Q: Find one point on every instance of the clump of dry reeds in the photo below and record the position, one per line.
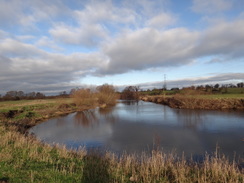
(103, 96)
(106, 95)
(84, 98)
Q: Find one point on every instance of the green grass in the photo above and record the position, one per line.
(223, 96)
(25, 160)
(235, 90)
(158, 92)
(223, 93)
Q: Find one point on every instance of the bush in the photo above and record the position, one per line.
(84, 98)
(103, 96)
(106, 95)
(130, 93)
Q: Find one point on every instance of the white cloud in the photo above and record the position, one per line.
(46, 42)
(25, 37)
(91, 24)
(10, 12)
(88, 35)
(3, 34)
(147, 48)
(105, 12)
(13, 48)
(161, 21)
(226, 39)
(28, 13)
(24, 66)
(211, 6)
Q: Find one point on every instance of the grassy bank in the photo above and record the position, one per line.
(24, 159)
(212, 102)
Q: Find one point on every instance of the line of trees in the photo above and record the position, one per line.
(19, 95)
(216, 87)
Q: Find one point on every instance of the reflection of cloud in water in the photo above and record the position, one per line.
(52, 131)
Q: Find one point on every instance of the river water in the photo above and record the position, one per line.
(142, 126)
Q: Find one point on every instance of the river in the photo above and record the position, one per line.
(142, 126)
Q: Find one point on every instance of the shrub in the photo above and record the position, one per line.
(84, 98)
(106, 95)
(130, 93)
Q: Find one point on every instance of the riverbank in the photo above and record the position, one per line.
(25, 159)
(196, 102)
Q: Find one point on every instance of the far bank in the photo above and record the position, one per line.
(197, 102)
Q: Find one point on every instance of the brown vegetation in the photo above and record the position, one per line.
(103, 96)
(84, 97)
(183, 102)
(106, 95)
(130, 93)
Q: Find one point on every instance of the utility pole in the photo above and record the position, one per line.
(165, 87)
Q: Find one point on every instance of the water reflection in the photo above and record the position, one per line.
(130, 102)
(107, 114)
(142, 126)
(92, 117)
(190, 118)
(85, 118)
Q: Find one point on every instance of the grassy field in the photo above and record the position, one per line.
(227, 93)
(24, 159)
(20, 103)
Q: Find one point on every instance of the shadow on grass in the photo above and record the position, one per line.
(95, 169)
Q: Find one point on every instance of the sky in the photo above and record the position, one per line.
(56, 45)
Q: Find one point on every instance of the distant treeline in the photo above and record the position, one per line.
(199, 89)
(19, 95)
(130, 92)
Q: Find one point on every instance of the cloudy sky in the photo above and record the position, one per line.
(56, 45)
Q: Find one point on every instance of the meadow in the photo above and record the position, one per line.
(25, 159)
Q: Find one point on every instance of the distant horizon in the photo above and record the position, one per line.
(54, 46)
